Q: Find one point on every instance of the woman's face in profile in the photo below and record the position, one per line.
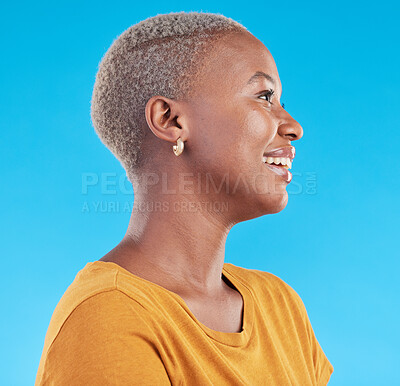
(237, 118)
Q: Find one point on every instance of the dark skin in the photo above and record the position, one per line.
(227, 126)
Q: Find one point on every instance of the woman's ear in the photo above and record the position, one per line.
(164, 118)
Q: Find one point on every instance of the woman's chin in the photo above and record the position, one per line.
(266, 204)
(276, 203)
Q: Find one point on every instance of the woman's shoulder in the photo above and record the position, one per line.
(94, 328)
(94, 294)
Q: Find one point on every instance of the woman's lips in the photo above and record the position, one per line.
(285, 151)
(281, 171)
(283, 154)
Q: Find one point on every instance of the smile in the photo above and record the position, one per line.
(283, 161)
(280, 161)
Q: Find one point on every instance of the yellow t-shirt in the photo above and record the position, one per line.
(115, 328)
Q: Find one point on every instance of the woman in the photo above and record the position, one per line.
(189, 103)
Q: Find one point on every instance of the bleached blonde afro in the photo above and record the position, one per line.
(158, 56)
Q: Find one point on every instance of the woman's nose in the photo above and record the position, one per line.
(290, 128)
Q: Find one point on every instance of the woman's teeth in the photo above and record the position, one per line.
(283, 161)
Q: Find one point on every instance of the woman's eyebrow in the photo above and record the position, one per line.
(261, 74)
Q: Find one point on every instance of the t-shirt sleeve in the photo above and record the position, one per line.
(322, 367)
(105, 341)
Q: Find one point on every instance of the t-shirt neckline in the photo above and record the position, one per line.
(227, 338)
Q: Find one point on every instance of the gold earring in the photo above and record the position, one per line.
(178, 148)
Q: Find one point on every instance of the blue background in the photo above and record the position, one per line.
(336, 243)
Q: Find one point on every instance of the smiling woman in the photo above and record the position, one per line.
(190, 105)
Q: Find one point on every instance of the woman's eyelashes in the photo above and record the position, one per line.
(268, 96)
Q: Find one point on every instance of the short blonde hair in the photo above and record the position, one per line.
(158, 56)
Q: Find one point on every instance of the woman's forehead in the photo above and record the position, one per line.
(240, 62)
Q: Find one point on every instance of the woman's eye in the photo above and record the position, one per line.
(268, 95)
